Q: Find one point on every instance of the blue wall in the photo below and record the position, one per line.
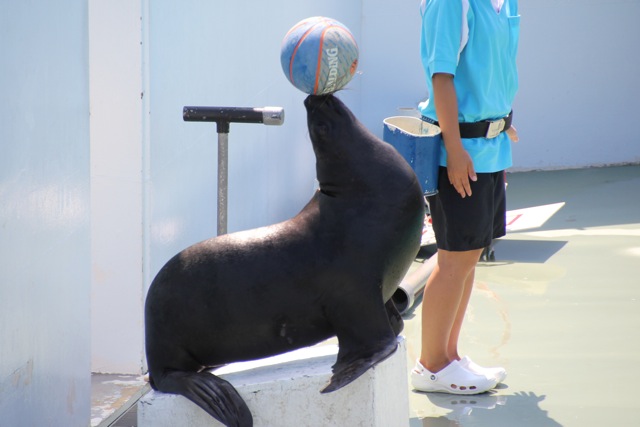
(44, 211)
(227, 54)
(576, 108)
(578, 64)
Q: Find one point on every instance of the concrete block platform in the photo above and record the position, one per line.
(284, 391)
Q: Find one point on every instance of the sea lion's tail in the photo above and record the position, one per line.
(213, 394)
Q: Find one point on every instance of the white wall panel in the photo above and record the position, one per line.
(578, 65)
(44, 214)
(227, 54)
(115, 34)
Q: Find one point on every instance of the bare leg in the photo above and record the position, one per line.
(446, 298)
(445, 301)
(452, 348)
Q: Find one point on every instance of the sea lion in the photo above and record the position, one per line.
(330, 270)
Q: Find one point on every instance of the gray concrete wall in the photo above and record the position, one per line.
(210, 53)
(578, 63)
(580, 93)
(44, 214)
(148, 188)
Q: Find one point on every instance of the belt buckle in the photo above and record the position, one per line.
(495, 128)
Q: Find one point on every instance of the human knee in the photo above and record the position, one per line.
(458, 263)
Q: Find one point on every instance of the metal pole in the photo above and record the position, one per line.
(223, 186)
(223, 116)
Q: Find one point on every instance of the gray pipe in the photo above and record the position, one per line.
(223, 116)
(412, 285)
(223, 184)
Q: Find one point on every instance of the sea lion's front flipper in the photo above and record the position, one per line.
(365, 338)
(213, 394)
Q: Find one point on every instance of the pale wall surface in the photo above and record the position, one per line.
(153, 175)
(226, 54)
(117, 176)
(44, 214)
(579, 92)
(158, 174)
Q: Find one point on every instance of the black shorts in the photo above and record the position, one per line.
(464, 224)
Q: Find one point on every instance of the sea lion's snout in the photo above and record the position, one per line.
(315, 101)
(325, 113)
(325, 105)
(319, 116)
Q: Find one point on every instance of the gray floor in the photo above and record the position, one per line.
(112, 398)
(559, 308)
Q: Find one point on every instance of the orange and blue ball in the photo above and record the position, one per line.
(319, 55)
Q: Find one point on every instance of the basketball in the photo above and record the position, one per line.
(319, 55)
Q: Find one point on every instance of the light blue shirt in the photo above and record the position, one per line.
(477, 44)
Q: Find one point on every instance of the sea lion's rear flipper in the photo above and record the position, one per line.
(366, 338)
(213, 394)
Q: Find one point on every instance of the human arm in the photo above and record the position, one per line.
(459, 164)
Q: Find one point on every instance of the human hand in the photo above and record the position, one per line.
(512, 132)
(460, 170)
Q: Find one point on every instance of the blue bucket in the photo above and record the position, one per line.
(419, 143)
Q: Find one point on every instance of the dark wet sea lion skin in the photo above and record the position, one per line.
(330, 270)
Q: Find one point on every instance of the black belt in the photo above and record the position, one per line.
(484, 129)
